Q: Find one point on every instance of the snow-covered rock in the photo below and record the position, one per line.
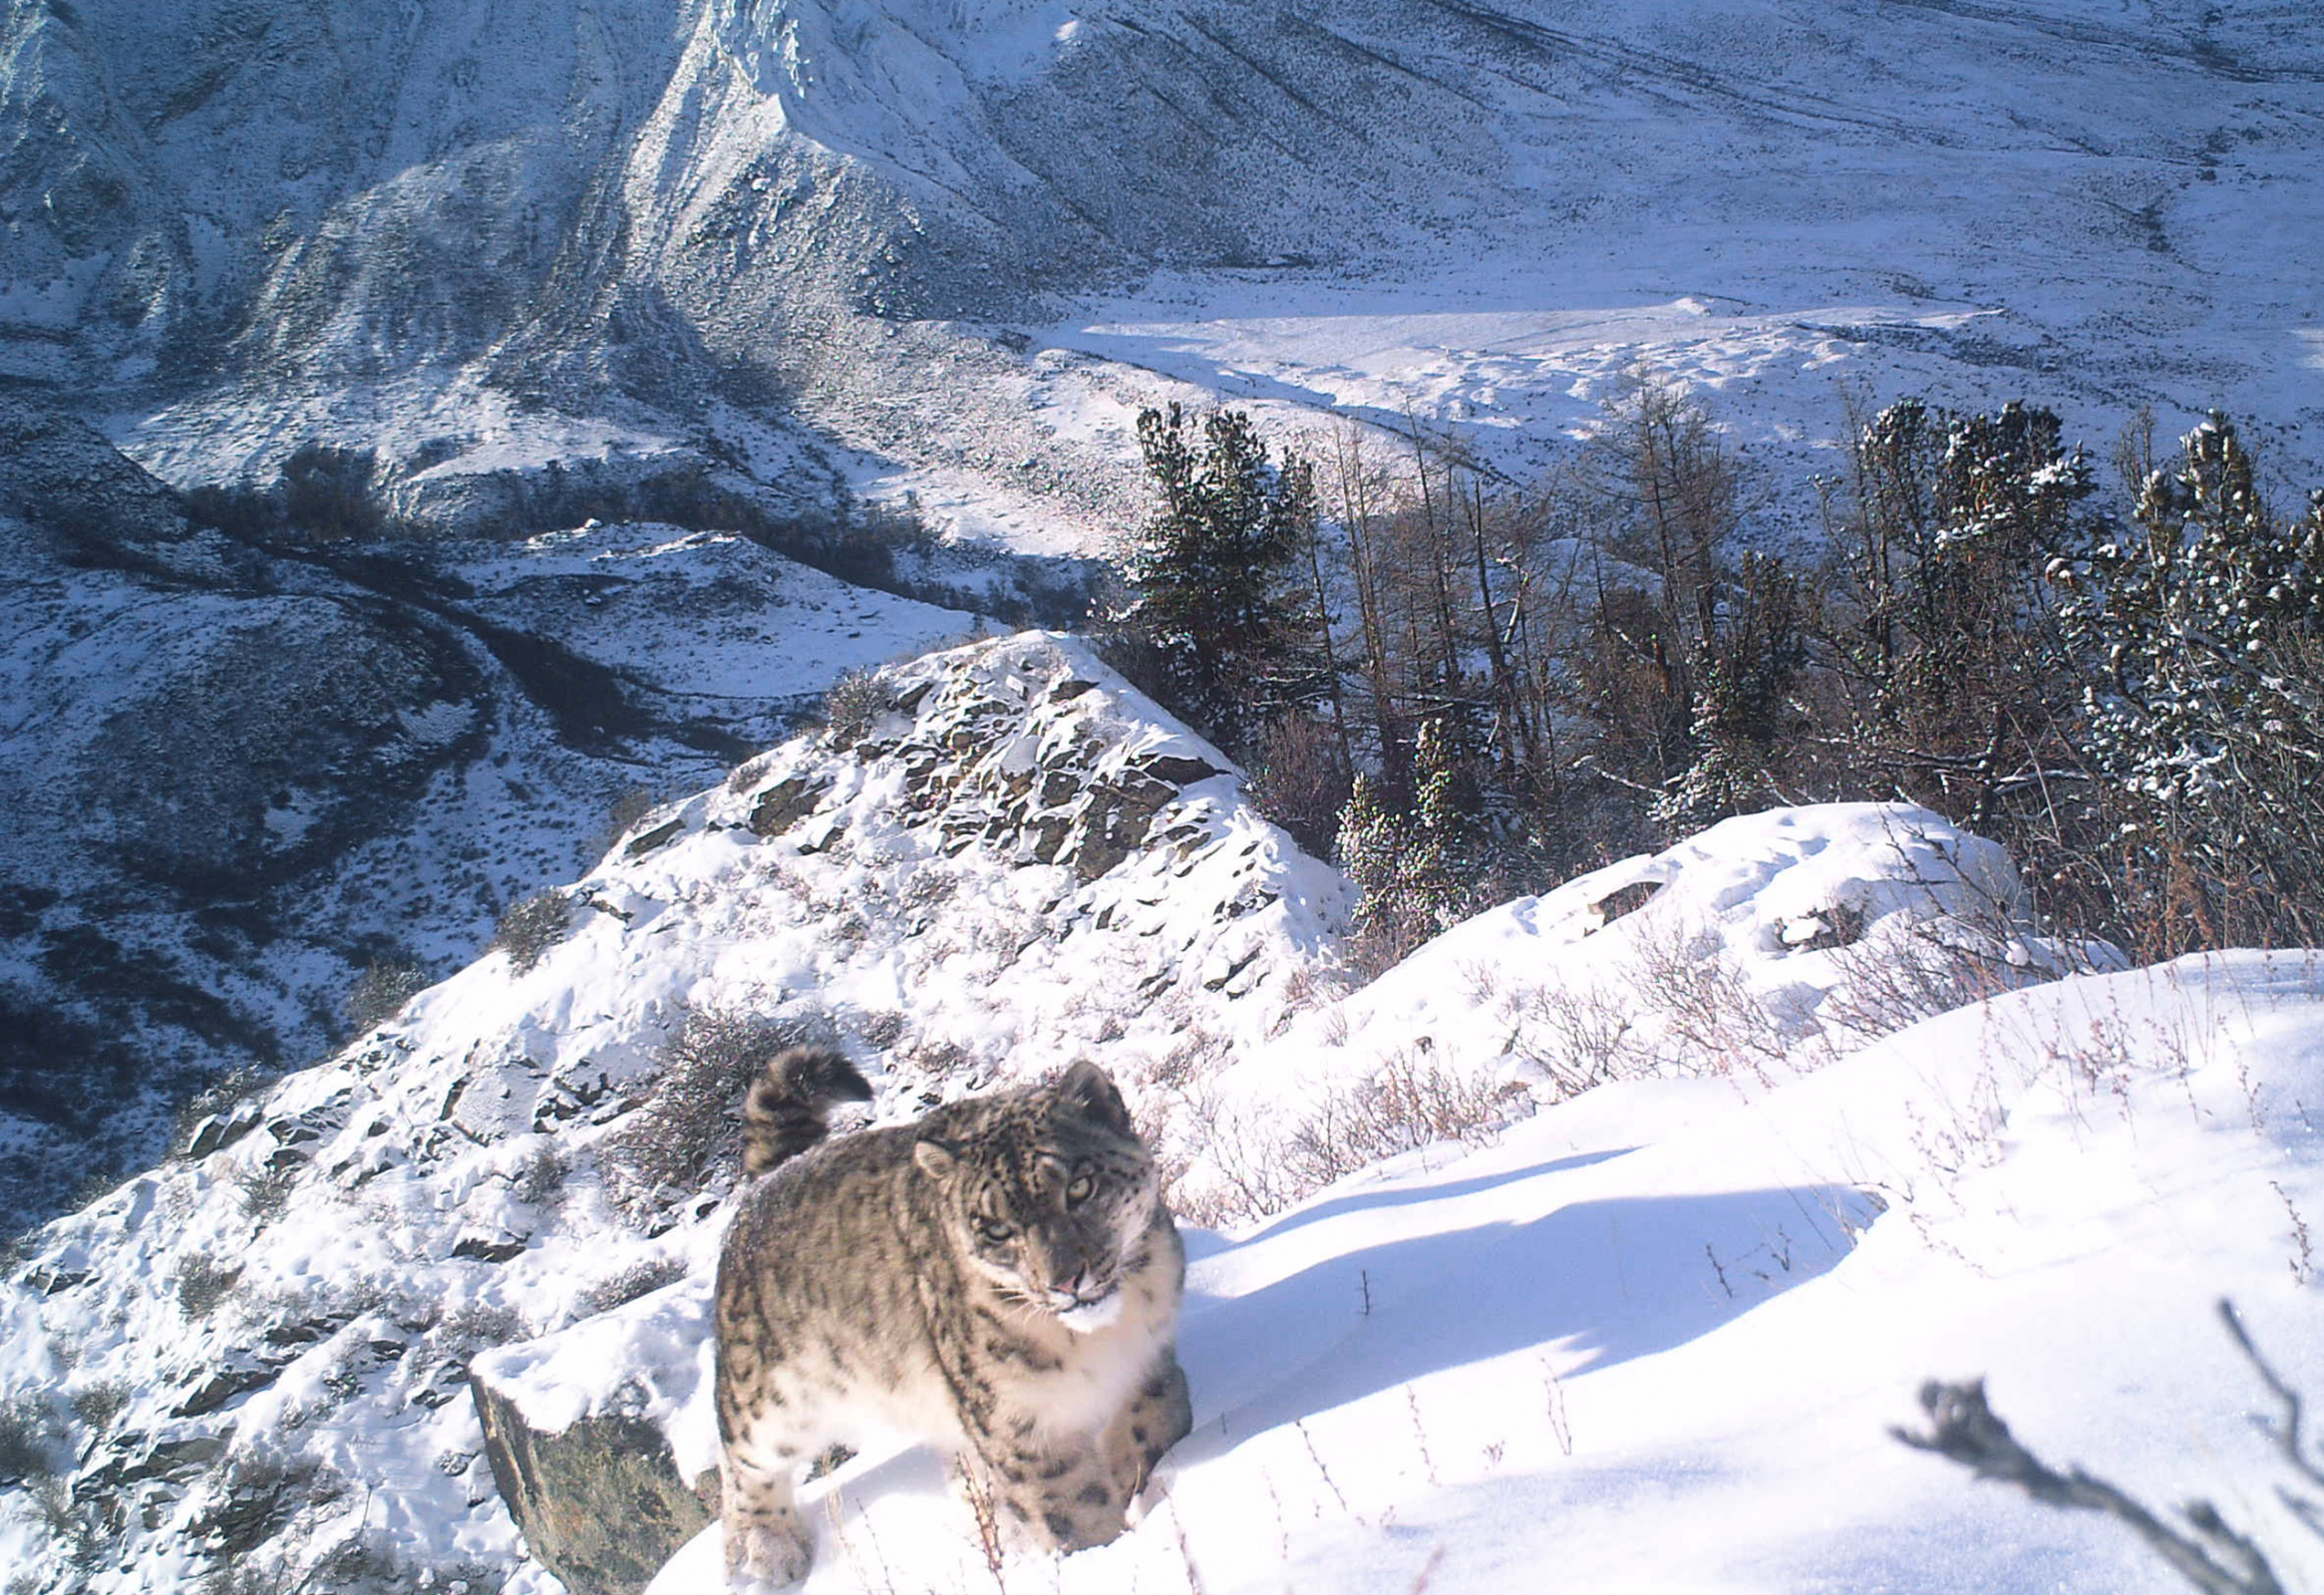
(1769, 944)
(235, 774)
(1011, 860)
(583, 1430)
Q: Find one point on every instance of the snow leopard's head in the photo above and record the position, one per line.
(1048, 1193)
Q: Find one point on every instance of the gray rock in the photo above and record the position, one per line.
(601, 1500)
(600, 1504)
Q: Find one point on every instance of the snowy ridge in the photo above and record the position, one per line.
(1018, 859)
(1001, 858)
(240, 772)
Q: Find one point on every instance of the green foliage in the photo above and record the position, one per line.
(1417, 871)
(1947, 645)
(1215, 603)
(1754, 655)
(2204, 622)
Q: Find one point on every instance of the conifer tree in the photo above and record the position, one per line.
(2206, 620)
(1415, 872)
(1215, 597)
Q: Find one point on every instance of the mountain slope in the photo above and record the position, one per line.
(965, 238)
(1000, 858)
(1012, 860)
(237, 773)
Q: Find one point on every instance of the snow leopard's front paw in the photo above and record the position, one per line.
(762, 1558)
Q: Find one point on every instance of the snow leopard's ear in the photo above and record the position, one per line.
(934, 1158)
(1086, 1092)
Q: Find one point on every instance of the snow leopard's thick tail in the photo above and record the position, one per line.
(784, 1112)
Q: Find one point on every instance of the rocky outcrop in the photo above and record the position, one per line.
(396, 1269)
(574, 1430)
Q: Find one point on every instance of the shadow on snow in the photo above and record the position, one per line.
(1596, 1282)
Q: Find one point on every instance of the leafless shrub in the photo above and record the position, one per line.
(1708, 1009)
(202, 1282)
(748, 774)
(539, 1181)
(532, 927)
(638, 1279)
(379, 992)
(936, 1056)
(1580, 1037)
(854, 705)
(1194, 1053)
(1898, 979)
(29, 1436)
(1310, 985)
(880, 1028)
(629, 805)
(928, 886)
(1300, 780)
(687, 1134)
(261, 1190)
(472, 1327)
(100, 1404)
(1407, 1105)
(1247, 1173)
(227, 1091)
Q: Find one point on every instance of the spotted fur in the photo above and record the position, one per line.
(783, 1114)
(1000, 1279)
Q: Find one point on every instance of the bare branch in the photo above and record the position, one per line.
(1965, 1431)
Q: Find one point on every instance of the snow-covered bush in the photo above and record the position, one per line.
(2206, 622)
(381, 991)
(29, 1439)
(532, 927)
(854, 705)
(202, 1282)
(1415, 873)
(687, 1134)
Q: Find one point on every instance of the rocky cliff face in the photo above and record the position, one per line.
(236, 771)
(1001, 860)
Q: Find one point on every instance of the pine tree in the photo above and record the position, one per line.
(1217, 599)
(1951, 651)
(1417, 873)
(1754, 655)
(2206, 623)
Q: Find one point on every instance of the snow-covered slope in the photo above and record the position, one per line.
(1654, 1338)
(236, 775)
(1006, 860)
(970, 238)
(1001, 858)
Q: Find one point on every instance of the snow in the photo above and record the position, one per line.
(1649, 1334)
(1653, 1339)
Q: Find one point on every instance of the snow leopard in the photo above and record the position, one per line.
(1000, 1279)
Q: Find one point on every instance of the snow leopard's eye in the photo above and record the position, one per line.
(1079, 1192)
(994, 1232)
